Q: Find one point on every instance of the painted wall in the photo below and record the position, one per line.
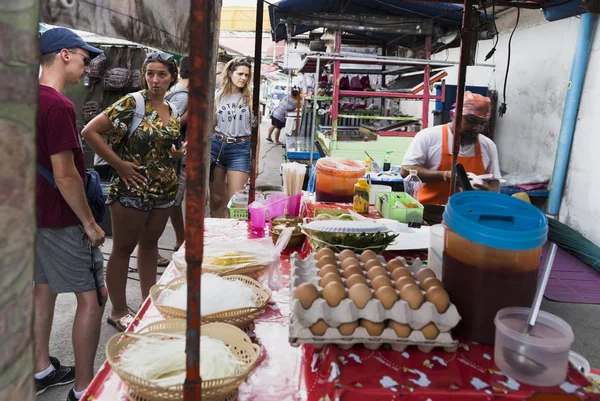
(527, 135)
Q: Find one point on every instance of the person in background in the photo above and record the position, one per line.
(219, 73)
(287, 104)
(143, 185)
(230, 149)
(67, 254)
(430, 153)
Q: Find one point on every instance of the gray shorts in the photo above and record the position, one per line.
(181, 179)
(65, 260)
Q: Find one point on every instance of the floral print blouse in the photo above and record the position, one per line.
(148, 147)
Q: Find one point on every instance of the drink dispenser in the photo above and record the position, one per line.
(492, 248)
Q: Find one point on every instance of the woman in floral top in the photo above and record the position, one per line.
(144, 181)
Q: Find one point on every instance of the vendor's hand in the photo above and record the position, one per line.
(485, 186)
(177, 154)
(94, 233)
(130, 175)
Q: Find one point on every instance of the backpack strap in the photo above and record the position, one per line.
(138, 114)
(46, 174)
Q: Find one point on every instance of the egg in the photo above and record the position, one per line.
(352, 270)
(376, 271)
(394, 264)
(380, 281)
(400, 272)
(355, 279)
(328, 278)
(402, 330)
(424, 273)
(348, 262)
(325, 251)
(373, 328)
(360, 294)
(439, 297)
(306, 293)
(402, 281)
(333, 293)
(319, 328)
(328, 269)
(431, 282)
(346, 253)
(347, 329)
(430, 331)
(387, 295)
(326, 260)
(412, 295)
(372, 263)
(367, 255)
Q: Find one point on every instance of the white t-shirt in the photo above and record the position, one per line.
(233, 116)
(426, 151)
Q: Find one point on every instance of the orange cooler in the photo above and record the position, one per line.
(335, 179)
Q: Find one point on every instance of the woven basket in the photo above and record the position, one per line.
(238, 317)
(212, 390)
(253, 272)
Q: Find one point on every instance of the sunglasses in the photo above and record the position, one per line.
(86, 59)
(159, 55)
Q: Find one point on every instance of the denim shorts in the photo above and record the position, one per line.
(231, 156)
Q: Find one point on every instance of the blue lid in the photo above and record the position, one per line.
(496, 220)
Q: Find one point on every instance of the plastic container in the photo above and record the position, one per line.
(368, 165)
(436, 249)
(547, 344)
(492, 247)
(360, 201)
(335, 179)
(293, 204)
(276, 203)
(258, 214)
(413, 184)
(392, 205)
(375, 188)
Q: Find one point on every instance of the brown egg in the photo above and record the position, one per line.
(367, 255)
(402, 281)
(346, 253)
(380, 281)
(430, 331)
(439, 297)
(424, 273)
(355, 279)
(400, 272)
(402, 330)
(431, 282)
(307, 293)
(394, 264)
(333, 293)
(376, 271)
(326, 260)
(373, 328)
(347, 329)
(319, 328)
(372, 263)
(387, 295)
(348, 262)
(412, 295)
(325, 251)
(352, 270)
(360, 294)
(328, 269)
(328, 278)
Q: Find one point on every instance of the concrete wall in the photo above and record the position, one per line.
(527, 135)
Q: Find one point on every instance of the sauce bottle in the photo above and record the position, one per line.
(360, 202)
(387, 161)
(368, 165)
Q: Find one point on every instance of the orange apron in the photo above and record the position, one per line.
(437, 193)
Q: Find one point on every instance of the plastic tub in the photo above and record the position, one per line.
(375, 188)
(293, 204)
(548, 344)
(276, 203)
(335, 179)
(492, 247)
(392, 205)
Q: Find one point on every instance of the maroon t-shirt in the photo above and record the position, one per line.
(57, 132)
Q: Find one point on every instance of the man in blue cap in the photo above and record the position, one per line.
(68, 258)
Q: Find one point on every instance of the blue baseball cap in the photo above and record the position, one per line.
(56, 39)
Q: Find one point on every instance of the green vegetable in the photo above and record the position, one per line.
(340, 241)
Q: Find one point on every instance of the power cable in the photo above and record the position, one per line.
(502, 108)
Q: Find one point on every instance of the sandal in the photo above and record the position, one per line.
(122, 323)
(269, 139)
(162, 262)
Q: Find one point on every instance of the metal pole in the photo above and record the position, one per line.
(256, 98)
(314, 116)
(426, 77)
(465, 50)
(203, 55)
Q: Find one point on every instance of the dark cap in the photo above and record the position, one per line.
(56, 39)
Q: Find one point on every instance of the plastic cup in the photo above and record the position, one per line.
(258, 213)
(276, 204)
(293, 204)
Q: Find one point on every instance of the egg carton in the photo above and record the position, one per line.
(306, 271)
(302, 335)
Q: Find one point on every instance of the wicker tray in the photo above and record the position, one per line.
(212, 390)
(238, 317)
(253, 272)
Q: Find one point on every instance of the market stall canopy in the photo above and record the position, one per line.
(154, 23)
(239, 18)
